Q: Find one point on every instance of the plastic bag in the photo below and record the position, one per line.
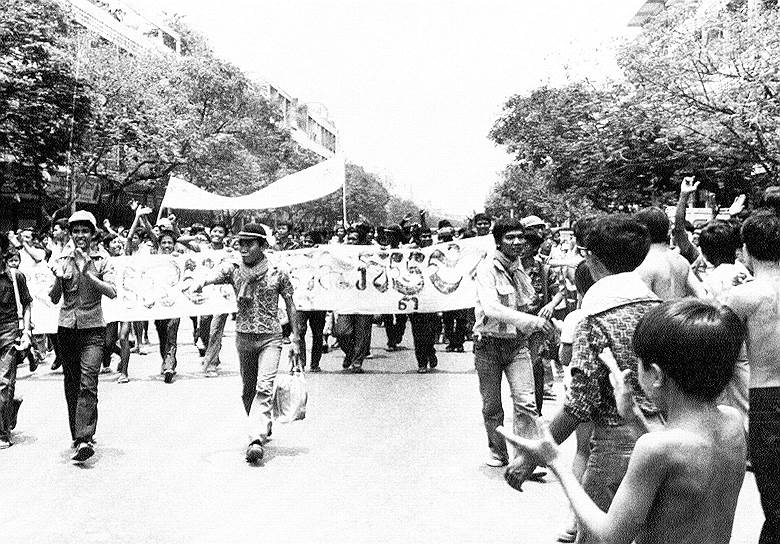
(290, 397)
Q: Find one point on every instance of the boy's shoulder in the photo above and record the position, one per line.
(746, 297)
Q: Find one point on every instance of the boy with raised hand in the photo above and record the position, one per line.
(758, 304)
(683, 480)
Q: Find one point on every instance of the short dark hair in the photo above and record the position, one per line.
(62, 223)
(770, 199)
(719, 241)
(620, 242)
(315, 236)
(444, 223)
(581, 228)
(695, 343)
(287, 224)
(656, 222)
(503, 226)
(169, 233)
(481, 216)
(216, 224)
(761, 235)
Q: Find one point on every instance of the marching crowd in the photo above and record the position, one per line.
(669, 334)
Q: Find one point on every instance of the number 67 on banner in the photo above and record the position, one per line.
(404, 303)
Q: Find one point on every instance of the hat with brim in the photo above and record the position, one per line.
(532, 221)
(254, 231)
(83, 216)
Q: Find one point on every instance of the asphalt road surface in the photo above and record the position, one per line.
(386, 456)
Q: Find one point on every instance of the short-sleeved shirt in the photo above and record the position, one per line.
(259, 315)
(590, 397)
(8, 310)
(81, 300)
(509, 286)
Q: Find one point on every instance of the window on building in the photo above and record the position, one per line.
(169, 41)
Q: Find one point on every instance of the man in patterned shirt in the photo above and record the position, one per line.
(612, 307)
(258, 285)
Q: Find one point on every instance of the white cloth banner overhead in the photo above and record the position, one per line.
(312, 183)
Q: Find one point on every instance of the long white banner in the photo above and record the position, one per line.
(371, 280)
(345, 279)
(148, 287)
(310, 184)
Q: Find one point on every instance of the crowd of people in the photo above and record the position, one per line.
(669, 334)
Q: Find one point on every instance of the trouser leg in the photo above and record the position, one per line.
(764, 444)
(112, 335)
(204, 329)
(303, 320)
(362, 335)
(8, 360)
(458, 332)
(346, 337)
(519, 374)
(268, 349)
(387, 322)
(90, 356)
(161, 325)
(535, 344)
(248, 358)
(216, 330)
(124, 346)
(417, 322)
(317, 322)
(70, 348)
(489, 372)
(171, 339)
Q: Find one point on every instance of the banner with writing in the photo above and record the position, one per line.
(346, 279)
(148, 287)
(372, 280)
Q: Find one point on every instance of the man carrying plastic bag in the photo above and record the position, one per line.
(258, 285)
(290, 396)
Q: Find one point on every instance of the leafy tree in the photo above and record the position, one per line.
(43, 107)
(526, 191)
(712, 75)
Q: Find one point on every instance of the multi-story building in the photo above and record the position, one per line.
(651, 8)
(118, 22)
(309, 123)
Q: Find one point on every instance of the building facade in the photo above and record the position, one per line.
(309, 123)
(651, 8)
(122, 25)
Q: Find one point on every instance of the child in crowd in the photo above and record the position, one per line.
(758, 304)
(683, 480)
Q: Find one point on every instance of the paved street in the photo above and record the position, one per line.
(387, 456)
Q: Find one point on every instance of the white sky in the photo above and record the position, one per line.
(414, 86)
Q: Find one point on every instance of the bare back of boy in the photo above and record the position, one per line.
(683, 483)
(758, 302)
(665, 272)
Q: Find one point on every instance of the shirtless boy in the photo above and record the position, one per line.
(667, 273)
(683, 480)
(758, 304)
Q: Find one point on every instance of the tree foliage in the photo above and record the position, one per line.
(699, 96)
(43, 106)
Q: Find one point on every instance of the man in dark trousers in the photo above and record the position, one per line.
(82, 279)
